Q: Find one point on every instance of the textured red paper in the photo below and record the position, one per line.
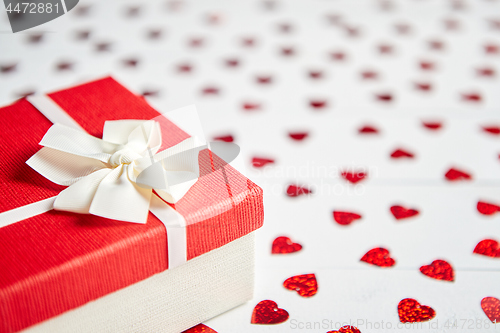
(57, 261)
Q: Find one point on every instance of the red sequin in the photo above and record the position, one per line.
(400, 153)
(410, 311)
(488, 247)
(249, 106)
(284, 245)
(401, 212)
(259, 162)
(353, 177)
(492, 129)
(298, 136)
(472, 97)
(384, 97)
(423, 86)
(432, 125)
(305, 285)
(346, 329)
(368, 130)
(487, 208)
(295, 191)
(378, 257)
(225, 138)
(200, 329)
(317, 104)
(455, 174)
(439, 269)
(267, 312)
(345, 218)
(491, 308)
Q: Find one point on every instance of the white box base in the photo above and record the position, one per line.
(171, 301)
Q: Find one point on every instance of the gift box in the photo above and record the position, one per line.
(68, 271)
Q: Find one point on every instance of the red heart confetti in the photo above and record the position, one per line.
(264, 79)
(432, 125)
(353, 177)
(284, 245)
(492, 129)
(423, 86)
(345, 218)
(295, 191)
(8, 68)
(427, 65)
(225, 138)
(317, 104)
(487, 208)
(210, 91)
(249, 106)
(471, 97)
(455, 174)
(401, 212)
(259, 162)
(184, 68)
(385, 49)
(200, 329)
(232, 62)
(338, 56)
(267, 312)
(369, 75)
(439, 270)
(400, 153)
(384, 97)
(488, 247)
(491, 49)
(485, 72)
(346, 329)
(378, 257)
(287, 51)
(368, 130)
(298, 136)
(410, 311)
(305, 285)
(491, 308)
(315, 74)
(402, 28)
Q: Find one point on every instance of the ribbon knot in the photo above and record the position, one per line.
(123, 156)
(114, 176)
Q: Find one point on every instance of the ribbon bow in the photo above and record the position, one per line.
(114, 177)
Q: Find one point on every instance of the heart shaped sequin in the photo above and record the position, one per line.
(305, 285)
(353, 177)
(487, 208)
(410, 311)
(401, 212)
(259, 162)
(295, 191)
(455, 174)
(378, 257)
(345, 218)
(267, 312)
(491, 308)
(439, 270)
(401, 153)
(284, 245)
(488, 247)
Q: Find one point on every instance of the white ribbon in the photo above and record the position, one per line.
(113, 177)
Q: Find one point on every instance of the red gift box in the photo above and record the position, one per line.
(57, 261)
